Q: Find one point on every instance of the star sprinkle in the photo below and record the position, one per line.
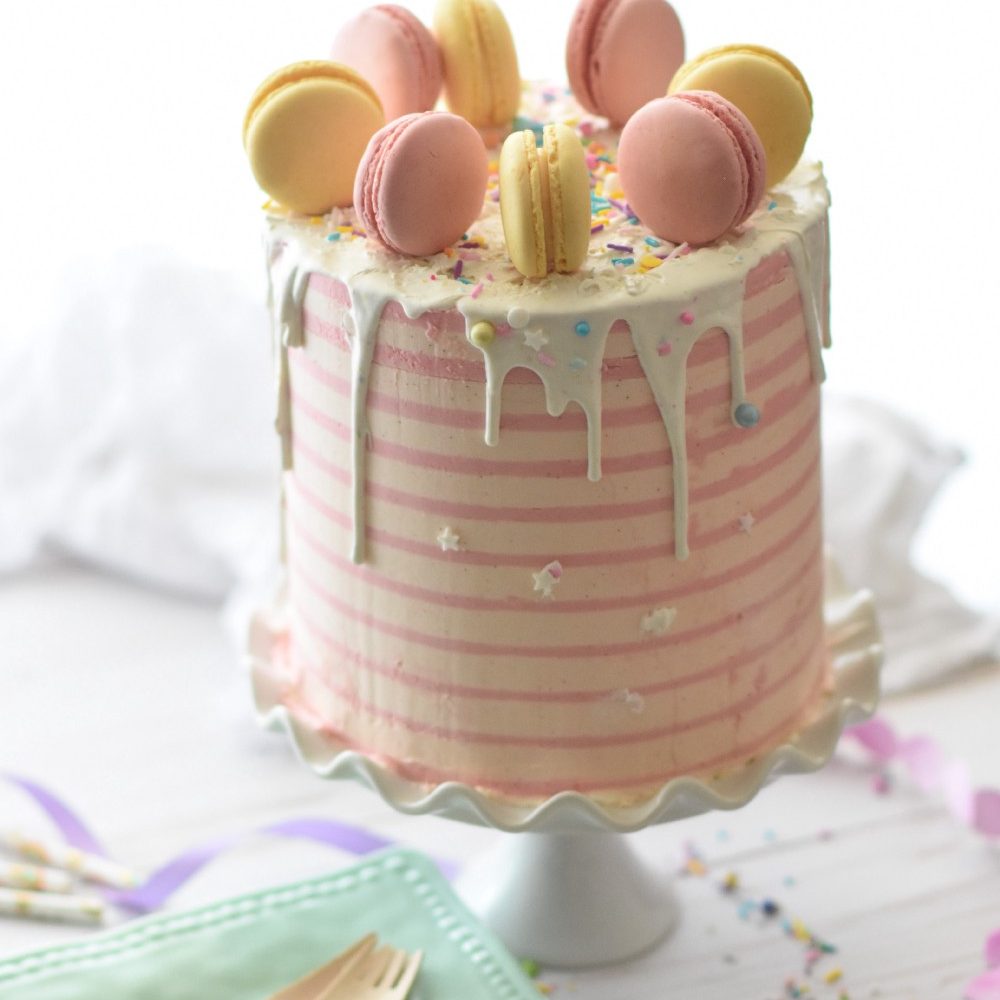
(632, 700)
(534, 338)
(658, 622)
(546, 579)
(448, 539)
(746, 522)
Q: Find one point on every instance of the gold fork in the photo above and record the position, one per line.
(310, 985)
(385, 974)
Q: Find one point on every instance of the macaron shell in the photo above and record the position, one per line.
(422, 183)
(396, 53)
(622, 53)
(522, 209)
(683, 171)
(306, 135)
(767, 88)
(482, 82)
(569, 196)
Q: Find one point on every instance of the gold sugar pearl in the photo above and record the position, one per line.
(483, 333)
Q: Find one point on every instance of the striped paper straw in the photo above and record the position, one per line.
(70, 859)
(35, 877)
(51, 906)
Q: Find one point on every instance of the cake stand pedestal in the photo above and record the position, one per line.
(571, 900)
(569, 892)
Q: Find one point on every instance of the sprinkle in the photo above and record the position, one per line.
(686, 317)
(623, 261)
(457, 269)
(659, 621)
(746, 415)
(731, 882)
(489, 276)
(582, 328)
(678, 251)
(771, 206)
(464, 280)
(833, 976)
(448, 539)
(530, 967)
(518, 318)
(434, 277)
(597, 228)
(747, 907)
(546, 578)
(577, 364)
(770, 908)
(620, 246)
(344, 229)
(482, 333)
(663, 348)
(535, 338)
(333, 237)
(746, 522)
(546, 359)
(651, 241)
(649, 262)
(695, 866)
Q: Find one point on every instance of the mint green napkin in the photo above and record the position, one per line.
(247, 947)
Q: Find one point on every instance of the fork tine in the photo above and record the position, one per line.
(410, 971)
(394, 968)
(372, 970)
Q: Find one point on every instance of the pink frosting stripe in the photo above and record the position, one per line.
(806, 611)
(571, 561)
(581, 742)
(441, 508)
(641, 554)
(464, 370)
(435, 776)
(467, 647)
(778, 406)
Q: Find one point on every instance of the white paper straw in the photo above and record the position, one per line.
(51, 906)
(70, 859)
(35, 877)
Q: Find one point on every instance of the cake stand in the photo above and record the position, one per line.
(569, 891)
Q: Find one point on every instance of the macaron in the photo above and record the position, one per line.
(691, 166)
(305, 130)
(545, 201)
(482, 82)
(396, 53)
(767, 88)
(621, 54)
(421, 182)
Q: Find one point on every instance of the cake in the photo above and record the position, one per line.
(560, 533)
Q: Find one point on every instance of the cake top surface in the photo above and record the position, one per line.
(624, 260)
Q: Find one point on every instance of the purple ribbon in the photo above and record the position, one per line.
(168, 878)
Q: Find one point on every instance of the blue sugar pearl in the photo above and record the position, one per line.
(747, 415)
(582, 328)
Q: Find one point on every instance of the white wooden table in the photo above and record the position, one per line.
(133, 705)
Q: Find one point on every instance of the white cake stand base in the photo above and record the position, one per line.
(571, 900)
(569, 892)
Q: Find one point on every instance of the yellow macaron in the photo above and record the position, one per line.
(545, 201)
(482, 82)
(767, 88)
(305, 130)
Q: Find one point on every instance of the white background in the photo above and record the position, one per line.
(122, 128)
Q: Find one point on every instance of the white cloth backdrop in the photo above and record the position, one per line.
(135, 433)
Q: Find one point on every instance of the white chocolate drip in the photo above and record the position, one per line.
(667, 310)
(367, 303)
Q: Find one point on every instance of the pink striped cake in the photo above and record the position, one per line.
(556, 534)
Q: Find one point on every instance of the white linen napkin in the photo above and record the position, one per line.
(136, 434)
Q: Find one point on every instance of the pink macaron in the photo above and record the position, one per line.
(394, 51)
(421, 182)
(621, 54)
(691, 166)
